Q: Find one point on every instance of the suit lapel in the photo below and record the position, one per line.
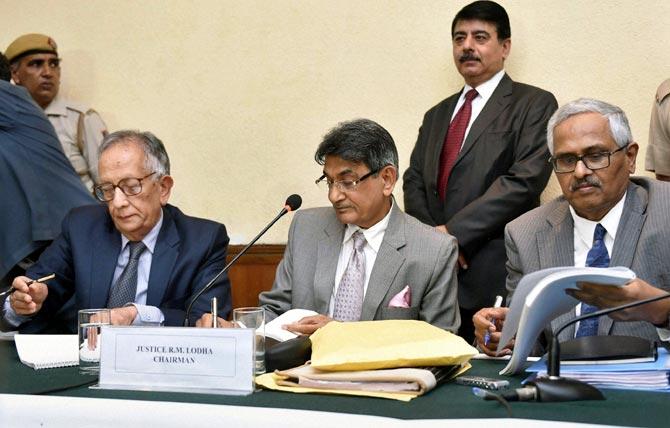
(328, 253)
(498, 102)
(557, 249)
(388, 262)
(104, 255)
(556, 246)
(443, 128)
(163, 260)
(628, 234)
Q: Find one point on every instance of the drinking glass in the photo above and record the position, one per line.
(90, 338)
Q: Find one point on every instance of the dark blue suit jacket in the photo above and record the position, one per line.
(189, 252)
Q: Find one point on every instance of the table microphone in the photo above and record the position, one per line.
(292, 203)
(554, 387)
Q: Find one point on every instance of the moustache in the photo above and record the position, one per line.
(586, 181)
(468, 57)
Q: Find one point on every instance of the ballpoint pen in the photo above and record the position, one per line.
(497, 304)
(215, 313)
(32, 281)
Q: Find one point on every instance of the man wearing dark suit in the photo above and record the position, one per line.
(37, 183)
(138, 255)
(362, 258)
(593, 154)
(480, 159)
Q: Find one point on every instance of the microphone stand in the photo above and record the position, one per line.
(225, 269)
(554, 387)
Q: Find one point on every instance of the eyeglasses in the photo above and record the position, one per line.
(593, 161)
(129, 186)
(342, 185)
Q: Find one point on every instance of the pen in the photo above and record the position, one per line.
(32, 281)
(215, 312)
(497, 304)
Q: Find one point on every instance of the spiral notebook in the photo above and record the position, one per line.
(45, 351)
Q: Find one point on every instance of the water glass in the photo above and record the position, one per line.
(253, 317)
(90, 338)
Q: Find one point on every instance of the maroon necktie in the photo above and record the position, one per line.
(454, 141)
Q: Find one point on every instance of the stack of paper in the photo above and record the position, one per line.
(397, 359)
(642, 376)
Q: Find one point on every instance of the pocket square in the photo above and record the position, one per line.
(402, 299)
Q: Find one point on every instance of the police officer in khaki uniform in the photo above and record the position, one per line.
(35, 65)
(658, 151)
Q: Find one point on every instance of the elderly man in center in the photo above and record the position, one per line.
(137, 255)
(604, 218)
(362, 258)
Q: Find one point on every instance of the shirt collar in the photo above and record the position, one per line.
(585, 228)
(374, 235)
(150, 239)
(485, 90)
(57, 107)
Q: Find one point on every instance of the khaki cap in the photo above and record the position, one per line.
(30, 43)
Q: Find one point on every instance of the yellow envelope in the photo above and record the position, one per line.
(370, 345)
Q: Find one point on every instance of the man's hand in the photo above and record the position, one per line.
(205, 321)
(491, 320)
(27, 299)
(308, 325)
(462, 263)
(123, 316)
(604, 296)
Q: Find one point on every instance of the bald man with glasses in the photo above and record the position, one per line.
(136, 254)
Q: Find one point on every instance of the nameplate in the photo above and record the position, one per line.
(179, 359)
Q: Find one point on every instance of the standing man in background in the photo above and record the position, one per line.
(35, 65)
(480, 159)
(658, 150)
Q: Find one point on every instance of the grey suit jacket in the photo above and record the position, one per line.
(543, 238)
(499, 174)
(411, 254)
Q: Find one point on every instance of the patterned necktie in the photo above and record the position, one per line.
(125, 287)
(454, 141)
(597, 257)
(349, 296)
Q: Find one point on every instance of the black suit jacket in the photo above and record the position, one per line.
(499, 174)
(189, 251)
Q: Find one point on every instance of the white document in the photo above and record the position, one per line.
(45, 351)
(274, 328)
(540, 297)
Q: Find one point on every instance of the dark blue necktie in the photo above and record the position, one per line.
(597, 257)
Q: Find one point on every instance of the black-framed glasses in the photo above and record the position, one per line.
(129, 186)
(342, 185)
(593, 161)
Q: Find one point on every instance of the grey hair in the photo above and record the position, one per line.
(618, 122)
(359, 141)
(155, 157)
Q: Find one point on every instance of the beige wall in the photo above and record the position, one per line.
(241, 91)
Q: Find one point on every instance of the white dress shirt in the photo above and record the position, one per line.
(583, 230)
(374, 235)
(484, 91)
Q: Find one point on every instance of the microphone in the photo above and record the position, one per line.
(555, 388)
(292, 203)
